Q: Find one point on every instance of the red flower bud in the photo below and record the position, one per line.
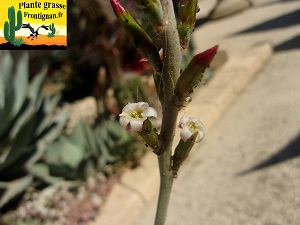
(192, 75)
(141, 39)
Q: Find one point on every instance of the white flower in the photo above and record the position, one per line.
(134, 114)
(190, 126)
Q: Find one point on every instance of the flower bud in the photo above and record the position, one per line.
(186, 21)
(150, 136)
(153, 10)
(182, 152)
(192, 76)
(141, 39)
(192, 132)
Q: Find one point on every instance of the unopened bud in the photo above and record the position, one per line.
(192, 76)
(186, 20)
(153, 10)
(141, 39)
(150, 136)
(182, 152)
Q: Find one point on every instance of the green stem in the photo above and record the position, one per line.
(170, 74)
(164, 161)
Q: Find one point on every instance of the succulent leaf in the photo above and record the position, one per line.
(42, 171)
(153, 10)
(65, 152)
(14, 188)
(55, 129)
(6, 93)
(29, 124)
(103, 141)
(6, 65)
(141, 39)
(35, 87)
(186, 21)
(21, 143)
(21, 82)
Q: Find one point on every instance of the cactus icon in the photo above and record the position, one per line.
(53, 30)
(9, 26)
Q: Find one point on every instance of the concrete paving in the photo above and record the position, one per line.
(247, 169)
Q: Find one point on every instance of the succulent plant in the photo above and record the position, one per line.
(18, 42)
(10, 27)
(52, 29)
(28, 124)
(85, 152)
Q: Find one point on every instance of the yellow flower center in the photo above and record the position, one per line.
(136, 114)
(193, 126)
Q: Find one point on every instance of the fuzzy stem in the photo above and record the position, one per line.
(164, 161)
(170, 74)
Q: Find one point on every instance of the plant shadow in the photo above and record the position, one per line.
(283, 21)
(290, 151)
(293, 43)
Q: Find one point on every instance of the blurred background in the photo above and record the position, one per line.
(62, 147)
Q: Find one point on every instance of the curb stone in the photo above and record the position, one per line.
(139, 186)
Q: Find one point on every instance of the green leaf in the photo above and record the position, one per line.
(21, 143)
(24, 118)
(153, 9)
(46, 112)
(186, 20)
(56, 127)
(7, 95)
(101, 137)
(36, 87)
(6, 64)
(20, 82)
(40, 149)
(42, 172)
(14, 188)
(65, 152)
(90, 140)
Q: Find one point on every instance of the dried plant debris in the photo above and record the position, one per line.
(60, 205)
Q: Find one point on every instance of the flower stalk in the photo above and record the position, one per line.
(170, 75)
(173, 88)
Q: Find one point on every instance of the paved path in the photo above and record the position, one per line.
(247, 170)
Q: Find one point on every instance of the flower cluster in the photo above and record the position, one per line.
(134, 114)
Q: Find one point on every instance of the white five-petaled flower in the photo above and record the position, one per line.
(190, 126)
(134, 114)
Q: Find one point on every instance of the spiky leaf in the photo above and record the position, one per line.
(14, 188)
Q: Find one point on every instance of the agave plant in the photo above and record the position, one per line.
(86, 152)
(28, 124)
